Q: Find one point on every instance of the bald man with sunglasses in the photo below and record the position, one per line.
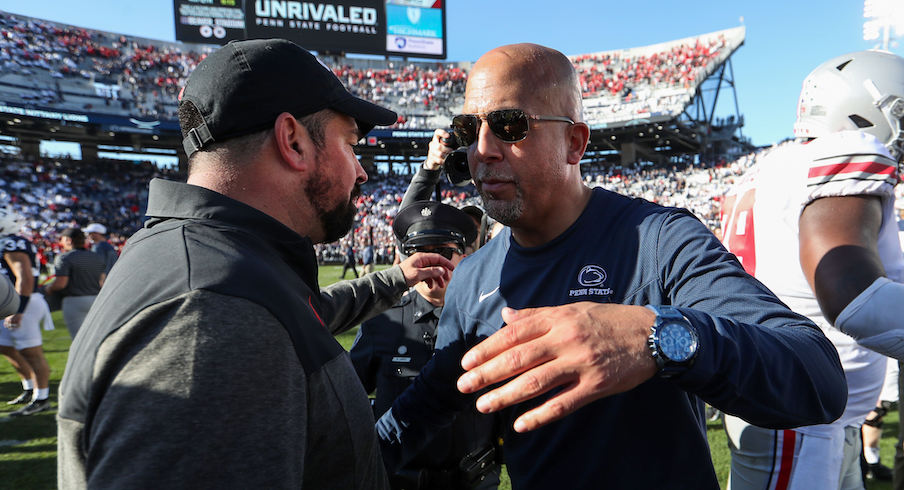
(605, 321)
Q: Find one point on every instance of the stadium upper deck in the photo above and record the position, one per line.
(652, 83)
(124, 83)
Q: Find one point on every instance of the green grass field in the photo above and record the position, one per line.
(28, 444)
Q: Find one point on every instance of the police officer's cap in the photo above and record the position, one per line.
(433, 223)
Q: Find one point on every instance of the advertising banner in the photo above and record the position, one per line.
(350, 26)
(415, 28)
(382, 27)
(209, 21)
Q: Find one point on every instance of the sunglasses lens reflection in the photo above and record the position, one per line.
(464, 127)
(509, 125)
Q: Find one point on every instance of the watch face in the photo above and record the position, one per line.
(677, 342)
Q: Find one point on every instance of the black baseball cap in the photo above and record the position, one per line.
(242, 87)
(433, 223)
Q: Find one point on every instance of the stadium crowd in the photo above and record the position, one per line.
(142, 78)
(420, 90)
(660, 80)
(79, 68)
(614, 72)
(150, 73)
(698, 188)
(53, 194)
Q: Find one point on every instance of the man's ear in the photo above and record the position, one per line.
(293, 142)
(579, 135)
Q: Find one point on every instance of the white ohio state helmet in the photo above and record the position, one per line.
(861, 91)
(9, 221)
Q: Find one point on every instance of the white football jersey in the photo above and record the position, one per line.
(760, 226)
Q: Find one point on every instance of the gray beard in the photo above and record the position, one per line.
(505, 212)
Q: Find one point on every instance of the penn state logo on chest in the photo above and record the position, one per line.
(591, 282)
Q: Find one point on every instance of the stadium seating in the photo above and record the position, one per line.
(52, 65)
(53, 194)
(651, 82)
(47, 65)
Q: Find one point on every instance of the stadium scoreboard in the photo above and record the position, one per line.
(383, 27)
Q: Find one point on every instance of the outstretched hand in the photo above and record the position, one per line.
(591, 350)
(434, 269)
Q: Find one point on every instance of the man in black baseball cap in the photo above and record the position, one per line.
(213, 336)
(242, 88)
(391, 349)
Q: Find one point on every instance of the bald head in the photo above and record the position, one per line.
(544, 73)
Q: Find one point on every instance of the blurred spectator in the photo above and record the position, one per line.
(79, 275)
(349, 261)
(99, 245)
(367, 258)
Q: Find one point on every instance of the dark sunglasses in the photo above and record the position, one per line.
(509, 125)
(444, 251)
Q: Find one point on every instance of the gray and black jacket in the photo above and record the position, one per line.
(208, 360)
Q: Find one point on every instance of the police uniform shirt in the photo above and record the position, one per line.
(391, 348)
(389, 352)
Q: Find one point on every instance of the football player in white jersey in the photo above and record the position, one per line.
(20, 334)
(814, 220)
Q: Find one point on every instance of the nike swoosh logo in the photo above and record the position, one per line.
(487, 295)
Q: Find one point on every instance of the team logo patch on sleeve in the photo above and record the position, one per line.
(866, 167)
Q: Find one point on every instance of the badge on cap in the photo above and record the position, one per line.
(433, 223)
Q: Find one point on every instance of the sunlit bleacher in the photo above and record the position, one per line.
(47, 65)
(51, 65)
(651, 83)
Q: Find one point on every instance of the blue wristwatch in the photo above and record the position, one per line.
(673, 341)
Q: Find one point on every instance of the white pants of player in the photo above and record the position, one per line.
(764, 459)
(29, 332)
(890, 388)
(823, 456)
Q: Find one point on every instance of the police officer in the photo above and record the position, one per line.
(391, 349)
